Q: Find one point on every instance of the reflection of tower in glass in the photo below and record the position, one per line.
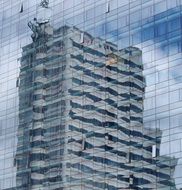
(81, 110)
(43, 12)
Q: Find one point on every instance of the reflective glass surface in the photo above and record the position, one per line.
(90, 94)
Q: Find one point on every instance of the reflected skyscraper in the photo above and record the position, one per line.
(91, 96)
(81, 116)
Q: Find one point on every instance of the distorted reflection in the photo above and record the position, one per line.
(90, 97)
(81, 116)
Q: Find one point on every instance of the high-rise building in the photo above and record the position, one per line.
(83, 119)
(90, 97)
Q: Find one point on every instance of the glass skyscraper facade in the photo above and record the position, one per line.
(90, 95)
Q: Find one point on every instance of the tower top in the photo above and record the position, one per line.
(41, 21)
(44, 3)
(43, 12)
